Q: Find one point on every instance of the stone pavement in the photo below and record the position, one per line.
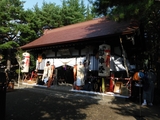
(100, 107)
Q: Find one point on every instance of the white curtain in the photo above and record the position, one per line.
(61, 62)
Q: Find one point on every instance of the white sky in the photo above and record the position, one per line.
(30, 3)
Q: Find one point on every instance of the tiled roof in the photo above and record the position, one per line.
(81, 31)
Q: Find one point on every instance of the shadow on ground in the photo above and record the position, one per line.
(47, 104)
(24, 104)
(128, 107)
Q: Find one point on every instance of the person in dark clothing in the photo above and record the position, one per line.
(148, 88)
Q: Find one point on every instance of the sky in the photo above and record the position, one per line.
(30, 3)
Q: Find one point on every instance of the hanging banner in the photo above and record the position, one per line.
(104, 60)
(25, 62)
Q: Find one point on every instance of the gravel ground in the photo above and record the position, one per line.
(34, 103)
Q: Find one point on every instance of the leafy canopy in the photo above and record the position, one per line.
(10, 16)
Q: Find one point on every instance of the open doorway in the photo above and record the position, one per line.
(65, 75)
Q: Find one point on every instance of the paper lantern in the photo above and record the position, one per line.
(104, 60)
(25, 62)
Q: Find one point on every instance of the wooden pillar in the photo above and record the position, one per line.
(103, 85)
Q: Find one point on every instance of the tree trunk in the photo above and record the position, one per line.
(8, 59)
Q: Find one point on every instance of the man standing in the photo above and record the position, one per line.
(51, 76)
(80, 74)
(148, 89)
(46, 72)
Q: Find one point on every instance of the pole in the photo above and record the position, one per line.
(140, 100)
(103, 85)
(19, 63)
(124, 57)
(3, 86)
(18, 75)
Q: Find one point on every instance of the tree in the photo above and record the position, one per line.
(147, 12)
(10, 16)
(29, 27)
(72, 12)
(89, 13)
(49, 15)
(17, 27)
(9, 23)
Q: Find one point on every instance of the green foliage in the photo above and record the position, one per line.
(49, 15)
(9, 45)
(121, 9)
(147, 12)
(52, 16)
(9, 18)
(19, 53)
(72, 12)
(89, 15)
(11, 11)
(33, 59)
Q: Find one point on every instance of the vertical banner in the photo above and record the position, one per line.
(104, 60)
(25, 62)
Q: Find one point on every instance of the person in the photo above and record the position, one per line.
(34, 75)
(74, 76)
(46, 72)
(80, 74)
(137, 85)
(51, 75)
(148, 88)
(86, 69)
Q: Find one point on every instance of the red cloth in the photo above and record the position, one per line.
(111, 85)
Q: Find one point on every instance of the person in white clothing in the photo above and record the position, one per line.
(46, 72)
(80, 74)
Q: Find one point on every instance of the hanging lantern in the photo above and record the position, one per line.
(25, 62)
(104, 60)
(39, 58)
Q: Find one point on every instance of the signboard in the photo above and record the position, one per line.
(104, 60)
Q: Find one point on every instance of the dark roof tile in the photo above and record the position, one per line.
(81, 31)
